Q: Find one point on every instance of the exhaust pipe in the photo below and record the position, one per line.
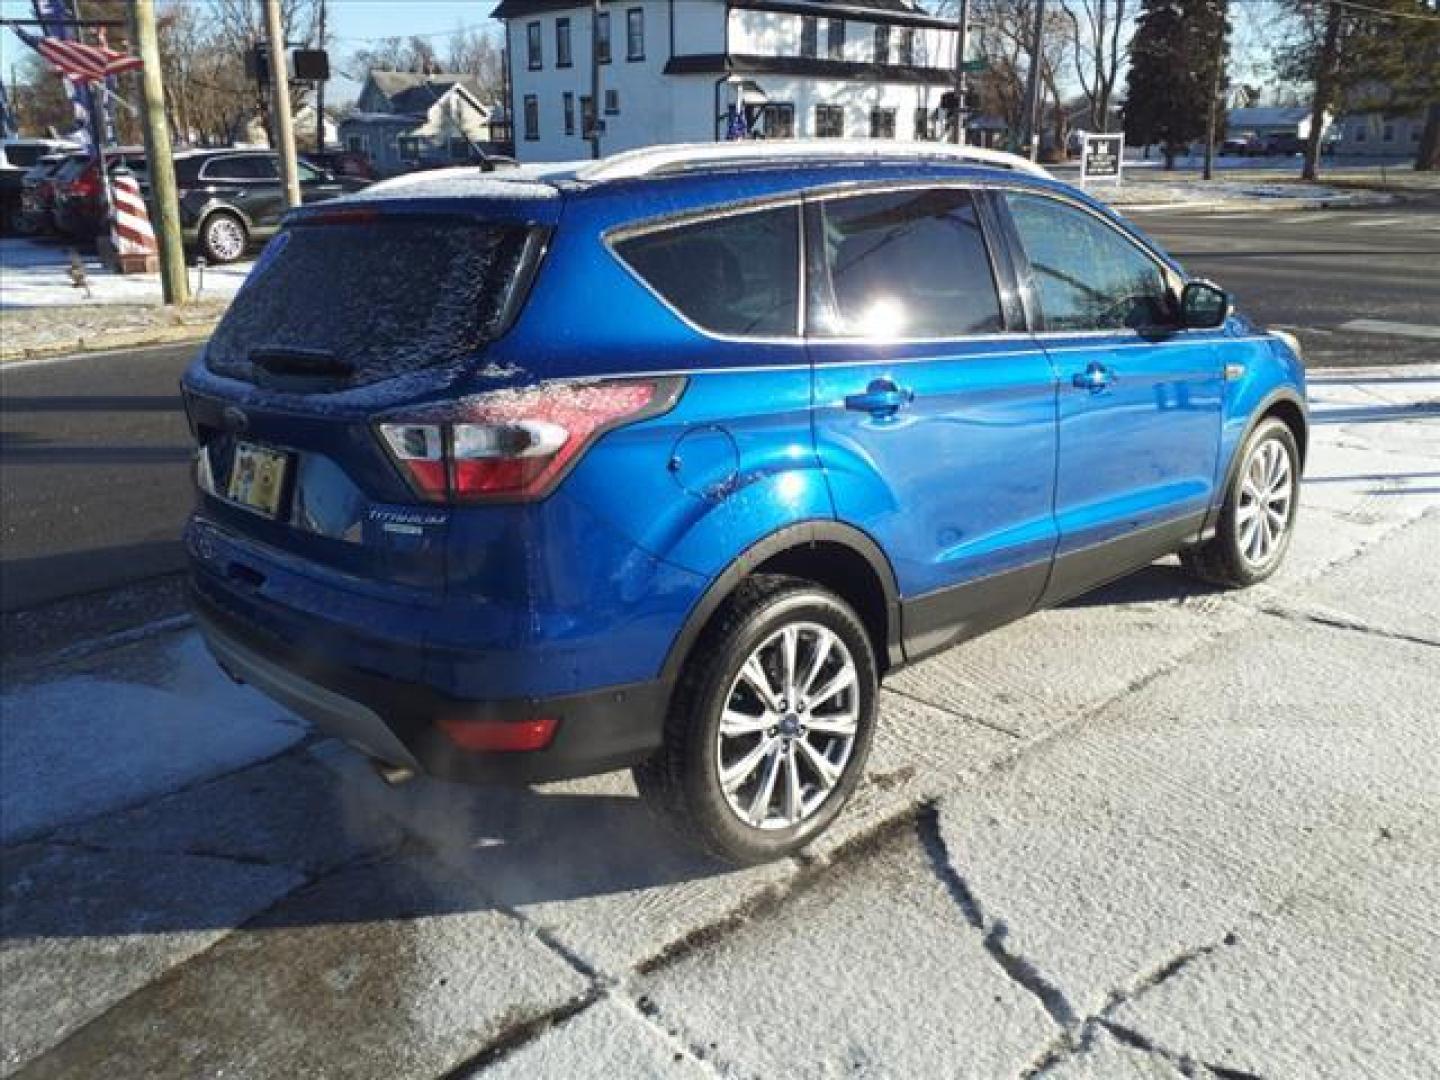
(393, 775)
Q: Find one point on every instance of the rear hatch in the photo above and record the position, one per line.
(351, 314)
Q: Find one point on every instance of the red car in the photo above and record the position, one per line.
(80, 200)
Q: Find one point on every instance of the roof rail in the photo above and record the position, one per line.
(680, 157)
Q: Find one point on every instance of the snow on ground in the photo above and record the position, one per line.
(36, 274)
(99, 739)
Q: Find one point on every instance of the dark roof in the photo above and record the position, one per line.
(895, 12)
(854, 71)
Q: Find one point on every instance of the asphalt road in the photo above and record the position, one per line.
(93, 450)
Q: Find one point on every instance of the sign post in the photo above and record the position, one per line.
(1102, 157)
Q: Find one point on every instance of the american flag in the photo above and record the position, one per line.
(80, 62)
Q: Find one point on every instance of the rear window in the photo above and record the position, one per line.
(23, 157)
(737, 275)
(367, 300)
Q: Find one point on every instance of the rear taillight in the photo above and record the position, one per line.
(515, 445)
(86, 185)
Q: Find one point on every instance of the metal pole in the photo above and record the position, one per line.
(320, 92)
(1032, 86)
(280, 102)
(164, 202)
(1219, 63)
(595, 79)
(962, 43)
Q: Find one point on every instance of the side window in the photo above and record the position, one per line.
(905, 264)
(231, 168)
(1090, 277)
(306, 173)
(734, 275)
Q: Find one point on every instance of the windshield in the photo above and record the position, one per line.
(370, 299)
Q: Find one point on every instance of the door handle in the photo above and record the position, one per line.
(1095, 377)
(881, 398)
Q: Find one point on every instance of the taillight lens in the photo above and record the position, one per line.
(515, 445)
(86, 185)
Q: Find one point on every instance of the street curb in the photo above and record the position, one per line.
(1254, 205)
(172, 335)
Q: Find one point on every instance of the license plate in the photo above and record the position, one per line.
(257, 479)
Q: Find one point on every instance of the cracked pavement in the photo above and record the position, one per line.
(1159, 832)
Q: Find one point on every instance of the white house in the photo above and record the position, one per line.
(684, 70)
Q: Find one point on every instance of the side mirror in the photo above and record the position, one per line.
(1203, 306)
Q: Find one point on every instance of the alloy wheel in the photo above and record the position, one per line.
(226, 238)
(1267, 490)
(789, 726)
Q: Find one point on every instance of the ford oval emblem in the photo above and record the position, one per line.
(235, 419)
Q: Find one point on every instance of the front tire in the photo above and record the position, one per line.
(770, 724)
(1258, 518)
(223, 238)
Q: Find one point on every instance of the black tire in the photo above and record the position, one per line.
(682, 781)
(218, 238)
(1223, 559)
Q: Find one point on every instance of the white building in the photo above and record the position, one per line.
(681, 70)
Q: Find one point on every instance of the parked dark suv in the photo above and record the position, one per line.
(666, 461)
(230, 198)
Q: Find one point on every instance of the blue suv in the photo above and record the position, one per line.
(667, 460)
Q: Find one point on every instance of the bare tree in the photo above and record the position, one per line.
(1097, 34)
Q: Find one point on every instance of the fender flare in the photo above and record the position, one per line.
(798, 535)
(211, 209)
(1285, 393)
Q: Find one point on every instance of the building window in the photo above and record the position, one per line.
(533, 58)
(829, 122)
(602, 38)
(907, 47)
(408, 147)
(612, 102)
(459, 148)
(882, 123)
(835, 39)
(587, 116)
(777, 120)
(1387, 134)
(1414, 133)
(635, 34)
(922, 123)
(1360, 134)
(562, 42)
(809, 36)
(357, 144)
(882, 44)
(532, 117)
(569, 100)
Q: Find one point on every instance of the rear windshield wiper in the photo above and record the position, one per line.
(286, 360)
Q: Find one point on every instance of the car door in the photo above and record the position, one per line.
(1139, 398)
(934, 409)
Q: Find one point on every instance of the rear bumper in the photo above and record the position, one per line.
(396, 721)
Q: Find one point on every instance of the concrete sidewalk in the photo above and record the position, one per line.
(1159, 832)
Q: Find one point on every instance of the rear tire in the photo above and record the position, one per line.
(223, 237)
(1258, 516)
(770, 724)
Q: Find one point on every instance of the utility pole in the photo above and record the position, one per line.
(594, 80)
(280, 102)
(164, 202)
(1032, 86)
(1219, 64)
(962, 46)
(320, 92)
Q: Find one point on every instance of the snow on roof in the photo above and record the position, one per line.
(460, 182)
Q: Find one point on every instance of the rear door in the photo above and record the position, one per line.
(934, 409)
(1139, 398)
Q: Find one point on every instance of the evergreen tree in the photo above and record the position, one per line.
(1173, 72)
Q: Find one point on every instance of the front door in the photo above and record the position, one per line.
(1139, 398)
(934, 410)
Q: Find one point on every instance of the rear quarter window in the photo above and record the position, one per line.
(737, 275)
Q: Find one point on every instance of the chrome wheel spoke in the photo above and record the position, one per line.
(794, 792)
(842, 680)
(824, 641)
(790, 660)
(734, 725)
(1262, 514)
(734, 777)
(826, 771)
(842, 724)
(753, 674)
(760, 804)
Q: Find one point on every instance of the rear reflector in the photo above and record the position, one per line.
(515, 445)
(504, 736)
